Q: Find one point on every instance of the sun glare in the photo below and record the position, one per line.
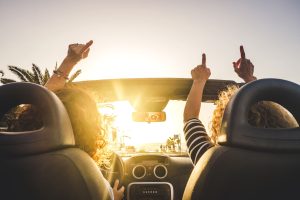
(138, 133)
(144, 136)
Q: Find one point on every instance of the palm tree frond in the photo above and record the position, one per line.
(75, 75)
(34, 76)
(46, 76)
(23, 74)
(6, 80)
(16, 71)
(38, 76)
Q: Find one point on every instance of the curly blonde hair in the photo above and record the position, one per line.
(264, 114)
(86, 123)
(84, 117)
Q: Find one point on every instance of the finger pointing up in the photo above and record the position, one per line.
(243, 55)
(86, 46)
(204, 59)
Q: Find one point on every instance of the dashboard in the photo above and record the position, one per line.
(159, 177)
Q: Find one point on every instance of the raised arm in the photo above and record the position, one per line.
(200, 74)
(76, 52)
(244, 67)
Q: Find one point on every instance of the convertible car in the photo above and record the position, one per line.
(148, 119)
(143, 119)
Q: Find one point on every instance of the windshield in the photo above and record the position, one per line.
(128, 137)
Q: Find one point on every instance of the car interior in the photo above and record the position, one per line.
(44, 164)
(248, 163)
(251, 162)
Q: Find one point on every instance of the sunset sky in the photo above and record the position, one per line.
(153, 38)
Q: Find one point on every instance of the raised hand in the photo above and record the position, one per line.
(76, 52)
(243, 67)
(201, 72)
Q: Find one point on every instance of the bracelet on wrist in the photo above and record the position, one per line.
(61, 74)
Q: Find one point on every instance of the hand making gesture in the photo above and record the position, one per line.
(76, 52)
(244, 68)
(201, 72)
(200, 75)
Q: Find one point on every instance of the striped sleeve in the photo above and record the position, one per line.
(197, 140)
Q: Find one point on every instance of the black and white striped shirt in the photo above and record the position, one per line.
(196, 138)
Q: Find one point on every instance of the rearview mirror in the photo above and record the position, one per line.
(149, 116)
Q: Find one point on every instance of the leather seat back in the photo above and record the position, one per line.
(251, 162)
(44, 163)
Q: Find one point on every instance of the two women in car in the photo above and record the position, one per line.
(197, 140)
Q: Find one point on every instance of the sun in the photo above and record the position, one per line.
(144, 135)
(128, 131)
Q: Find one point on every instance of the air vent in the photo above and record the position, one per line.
(160, 171)
(139, 171)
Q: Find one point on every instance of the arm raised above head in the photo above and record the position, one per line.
(76, 52)
(200, 75)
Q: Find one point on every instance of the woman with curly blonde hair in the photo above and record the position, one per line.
(82, 110)
(86, 123)
(264, 114)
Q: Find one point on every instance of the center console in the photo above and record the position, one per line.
(150, 191)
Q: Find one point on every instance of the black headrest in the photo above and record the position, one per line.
(56, 132)
(235, 129)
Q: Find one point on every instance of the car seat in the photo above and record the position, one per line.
(251, 162)
(44, 163)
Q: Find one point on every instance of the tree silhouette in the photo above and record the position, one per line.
(33, 76)
(172, 143)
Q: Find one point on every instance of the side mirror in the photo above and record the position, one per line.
(149, 116)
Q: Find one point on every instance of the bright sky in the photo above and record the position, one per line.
(153, 38)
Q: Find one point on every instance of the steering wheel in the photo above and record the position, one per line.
(116, 170)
